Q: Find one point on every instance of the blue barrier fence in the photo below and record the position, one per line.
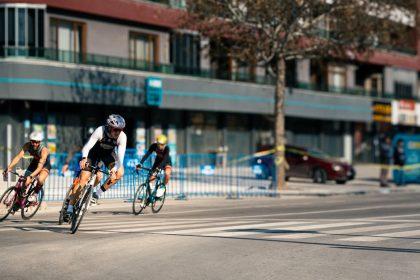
(193, 175)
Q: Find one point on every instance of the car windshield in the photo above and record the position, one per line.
(319, 154)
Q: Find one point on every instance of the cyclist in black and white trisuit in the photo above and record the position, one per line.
(106, 145)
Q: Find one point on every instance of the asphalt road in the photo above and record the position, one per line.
(343, 237)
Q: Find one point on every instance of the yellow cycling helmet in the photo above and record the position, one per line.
(162, 139)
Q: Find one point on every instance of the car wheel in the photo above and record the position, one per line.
(319, 176)
(341, 182)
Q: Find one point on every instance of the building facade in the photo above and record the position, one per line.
(66, 65)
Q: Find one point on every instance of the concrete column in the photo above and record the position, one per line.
(351, 76)
(388, 80)
(418, 26)
(9, 148)
(205, 57)
(348, 143)
(303, 69)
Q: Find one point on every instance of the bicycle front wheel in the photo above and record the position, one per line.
(80, 209)
(140, 199)
(159, 201)
(7, 201)
(32, 206)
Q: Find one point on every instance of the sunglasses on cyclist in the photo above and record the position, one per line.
(35, 142)
(116, 130)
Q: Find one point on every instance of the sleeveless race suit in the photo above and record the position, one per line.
(102, 148)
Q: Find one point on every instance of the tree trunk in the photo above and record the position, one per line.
(280, 124)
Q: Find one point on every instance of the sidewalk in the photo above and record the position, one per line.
(366, 182)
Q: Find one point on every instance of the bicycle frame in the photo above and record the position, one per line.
(157, 183)
(21, 189)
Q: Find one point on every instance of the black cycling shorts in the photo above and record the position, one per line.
(95, 158)
(34, 165)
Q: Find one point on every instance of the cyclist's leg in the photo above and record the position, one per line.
(113, 179)
(99, 176)
(42, 176)
(83, 180)
(168, 171)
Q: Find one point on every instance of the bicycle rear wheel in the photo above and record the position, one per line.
(31, 207)
(7, 201)
(159, 201)
(80, 209)
(140, 199)
(64, 206)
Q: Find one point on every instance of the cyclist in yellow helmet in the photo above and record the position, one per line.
(162, 161)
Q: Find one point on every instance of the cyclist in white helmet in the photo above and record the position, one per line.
(40, 165)
(106, 145)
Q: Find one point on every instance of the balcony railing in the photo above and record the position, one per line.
(125, 63)
(352, 91)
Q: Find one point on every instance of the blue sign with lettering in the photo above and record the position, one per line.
(154, 91)
(410, 173)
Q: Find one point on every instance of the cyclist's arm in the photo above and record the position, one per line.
(149, 152)
(122, 144)
(41, 163)
(18, 157)
(95, 137)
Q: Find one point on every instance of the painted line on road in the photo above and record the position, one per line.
(248, 226)
(146, 229)
(298, 234)
(384, 236)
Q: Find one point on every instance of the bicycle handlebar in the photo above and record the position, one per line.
(15, 173)
(96, 168)
(148, 169)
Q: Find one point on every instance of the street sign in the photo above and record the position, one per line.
(154, 91)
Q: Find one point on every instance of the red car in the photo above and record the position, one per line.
(306, 163)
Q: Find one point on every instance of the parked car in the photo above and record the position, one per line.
(306, 163)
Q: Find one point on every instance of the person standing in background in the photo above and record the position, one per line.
(385, 159)
(399, 162)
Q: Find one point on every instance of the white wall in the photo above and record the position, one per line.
(111, 39)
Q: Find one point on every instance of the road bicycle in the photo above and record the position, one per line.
(82, 203)
(144, 196)
(20, 197)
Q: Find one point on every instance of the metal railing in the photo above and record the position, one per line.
(193, 175)
(353, 91)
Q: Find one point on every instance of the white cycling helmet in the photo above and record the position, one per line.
(115, 121)
(36, 136)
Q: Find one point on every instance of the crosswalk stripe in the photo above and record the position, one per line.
(145, 228)
(384, 236)
(209, 230)
(346, 231)
(298, 234)
(243, 233)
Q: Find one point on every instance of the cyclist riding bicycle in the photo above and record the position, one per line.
(40, 165)
(76, 151)
(106, 145)
(162, 161)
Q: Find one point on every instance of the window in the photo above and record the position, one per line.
(185, 53)
(403, 90)
(336, 78)
(67, 38)
(221, 61)
(2, 31)
(143, 48)
(20, 27)
(11, 26)
(40, 30)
